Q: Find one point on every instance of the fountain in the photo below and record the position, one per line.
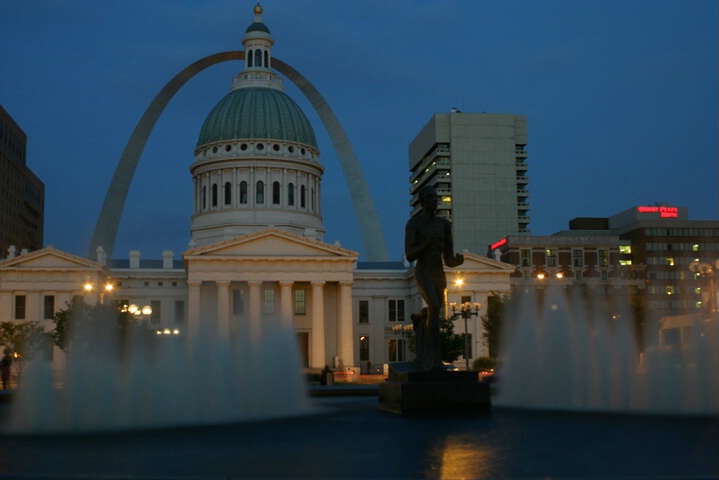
(166, 382)
(559, 356)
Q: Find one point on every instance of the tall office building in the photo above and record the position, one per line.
(476, 162)
(22, 204)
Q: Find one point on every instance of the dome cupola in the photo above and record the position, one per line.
(256, 161)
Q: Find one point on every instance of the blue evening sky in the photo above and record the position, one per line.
(620, 98)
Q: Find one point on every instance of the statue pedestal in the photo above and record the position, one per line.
(409, 388)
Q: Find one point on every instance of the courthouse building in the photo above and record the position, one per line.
(257, 259)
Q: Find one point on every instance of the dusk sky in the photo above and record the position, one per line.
(621, 99)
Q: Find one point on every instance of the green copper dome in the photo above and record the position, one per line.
(257, 113)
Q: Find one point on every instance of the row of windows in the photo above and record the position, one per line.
(395, 309)
(683, 247)
(259, 147)
(551, 257)
(259, 194)
(682, 232)
(48, 312)
(268, 302)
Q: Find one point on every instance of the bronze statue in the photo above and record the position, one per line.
(428, 240)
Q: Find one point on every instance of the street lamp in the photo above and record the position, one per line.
(466, 310)
(90, 296)
(404, 331)
(138, 312)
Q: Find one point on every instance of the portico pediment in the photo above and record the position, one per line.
(480, 264)
(271, 243)
(49, 259)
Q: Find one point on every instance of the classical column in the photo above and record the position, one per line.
(194, 307)
(344, 325)
(286, 302)
(317, 356)
(255, 310)
(223, 310)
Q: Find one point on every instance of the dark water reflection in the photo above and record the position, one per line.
(353, 439)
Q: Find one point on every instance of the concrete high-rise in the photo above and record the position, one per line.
(23, 193)
(476, 162)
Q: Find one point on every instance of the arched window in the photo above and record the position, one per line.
(249, 58)
(312, 199)
(243, 192)
(260, 192)
(228, 193)
(204, 198)
(291, 194)
(302, 196)
(276, 193)
(214, 194)
(258, 58)
(267, 59)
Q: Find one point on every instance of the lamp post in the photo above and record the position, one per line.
(403, 331)
(90, 296)
(138, 312)
(466, 310)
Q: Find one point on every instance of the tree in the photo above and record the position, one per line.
(492, 323)
(25, 339)
(94, 329)
(451, 344)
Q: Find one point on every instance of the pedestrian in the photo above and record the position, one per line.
(5, 368)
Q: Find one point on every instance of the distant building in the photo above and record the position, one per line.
(653, 251)
(477, 163)
(22, 200)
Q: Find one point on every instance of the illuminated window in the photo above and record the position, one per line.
(669, 261)
(625, 249)
(603, 259)
(300, 302)
(447, 200)
(526, 258)
(625, 262)
(670, 289)
(695, 248)
(551, 258)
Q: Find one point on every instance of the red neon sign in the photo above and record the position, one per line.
(498, 244)
(664, 212)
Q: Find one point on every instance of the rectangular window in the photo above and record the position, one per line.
(20, 307)
(551, 258)
(269, 302)
(604, 275)
(238, 302)
(48, 307)
(526, 257)
(395, 350)
(300, 302)
(626, 249)
(364, 311)
(156, 315)
(396, 310)
(578, 258)
(364, 348)
(603, 258)
(179, 311)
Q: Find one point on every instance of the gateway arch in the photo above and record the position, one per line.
(108, 222)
